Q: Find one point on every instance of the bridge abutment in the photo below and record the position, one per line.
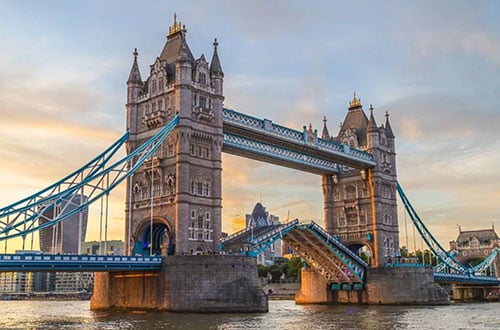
(205, 283)
(385, 286)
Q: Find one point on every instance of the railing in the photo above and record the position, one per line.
(295, 136)
(72, 262)
(465, 278)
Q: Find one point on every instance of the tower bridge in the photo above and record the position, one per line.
(177, 129)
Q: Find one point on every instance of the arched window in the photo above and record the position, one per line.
(350, 192)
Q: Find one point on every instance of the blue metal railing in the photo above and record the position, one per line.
(77, 263)
(267, 127)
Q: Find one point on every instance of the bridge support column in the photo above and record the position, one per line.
(313, 289)
(202, 284)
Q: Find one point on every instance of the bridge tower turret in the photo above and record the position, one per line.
(360, 205)
(174, 200)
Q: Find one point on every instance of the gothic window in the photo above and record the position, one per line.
(350, 192)
(156, 188)
(202, 78)
(202, 102)
(199, 151)
(341, 221)
(206, 153)
(191, 149)
(362, 216)
(160, 83)
(192, 187)
(206, 190)
(200, 188)
(352, 144)
(336, 195)
(193, 215)
(170, 150)
(352, 218)
(365, 192)
(155, 86)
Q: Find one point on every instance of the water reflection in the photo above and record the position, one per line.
(282, 315)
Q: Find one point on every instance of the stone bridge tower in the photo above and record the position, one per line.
(360, 205)
(174, 200)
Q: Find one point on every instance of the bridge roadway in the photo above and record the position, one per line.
(32, 262)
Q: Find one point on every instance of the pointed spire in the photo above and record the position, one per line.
(325, 134)
(372, 125)
(215, 67)
(184, 52)
(388, 129)
(135, 74)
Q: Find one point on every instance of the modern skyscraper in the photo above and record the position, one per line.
(63, 236)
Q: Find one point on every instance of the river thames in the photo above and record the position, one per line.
(283, 314)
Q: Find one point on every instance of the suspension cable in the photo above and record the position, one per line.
(100, 221)
(106, 219)
(406, 229)
(129, 252)
(151, 221)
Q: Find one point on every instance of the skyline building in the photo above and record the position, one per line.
(63, 236)
(258, 218)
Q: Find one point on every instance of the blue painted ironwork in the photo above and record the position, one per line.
(76, 263)
(40, 198)
(262, 242)
(483, 265)
(442, 266)
(356, 265)
(436, 248)
(98, 182)
(337, 257)
(279, 153)
(443, 277)
(266, 127)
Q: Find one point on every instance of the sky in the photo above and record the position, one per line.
(434, 65)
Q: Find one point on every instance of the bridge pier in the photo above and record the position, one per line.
(385, 286)
(471, 293)
(205, 283)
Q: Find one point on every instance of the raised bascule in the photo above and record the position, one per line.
(177, 130)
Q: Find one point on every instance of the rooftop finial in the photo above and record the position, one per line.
(216, 44)
(355, 103)
(176, 27)
(135, 53)
(387, 115)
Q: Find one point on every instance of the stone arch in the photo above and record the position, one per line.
(160, 240)
(362, 249)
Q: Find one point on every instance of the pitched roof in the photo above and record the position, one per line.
(356, 119)
(482, 235)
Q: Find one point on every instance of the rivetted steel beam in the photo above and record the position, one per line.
(246, 147)
(265, 131)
